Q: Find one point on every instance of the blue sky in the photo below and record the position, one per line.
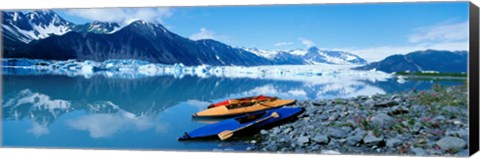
(372, 31)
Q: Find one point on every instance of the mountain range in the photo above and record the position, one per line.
(427, 60)
(43, 34)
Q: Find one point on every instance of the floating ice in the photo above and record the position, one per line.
(132, 69)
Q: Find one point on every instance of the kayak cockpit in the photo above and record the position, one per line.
(250, 117)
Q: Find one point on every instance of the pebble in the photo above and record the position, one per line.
(302, 140)
(382, 120)
(264, 132)
(354, 140)
(418, 151)
(385, 104)
(371, 140)
(321, 139)
(449, 143)
(287, 130)
(393, 143)
(328, 127)
(323, 117)
(337, 133)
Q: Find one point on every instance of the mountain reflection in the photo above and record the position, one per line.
(109, 105)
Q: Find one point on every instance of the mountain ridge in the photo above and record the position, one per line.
(425, 60)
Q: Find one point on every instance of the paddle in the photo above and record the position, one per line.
(229, 133)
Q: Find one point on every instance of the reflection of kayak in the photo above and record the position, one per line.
(240, 101)
(213, 130)
(228, 111)
(207, 120)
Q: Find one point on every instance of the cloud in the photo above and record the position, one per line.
(123, 15)
(445, 36)
(308, 43)
(38, 129)
(443, 32)
(102, 125)
(203, 34)
(372, 54)
(279, 44)
(198, 104)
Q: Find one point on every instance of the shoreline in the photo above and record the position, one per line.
(422, 123)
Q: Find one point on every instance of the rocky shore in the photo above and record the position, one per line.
(422, 123)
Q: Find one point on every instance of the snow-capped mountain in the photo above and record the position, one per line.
(139, 40)
(98, 27)
(311, 55)
(39, 24)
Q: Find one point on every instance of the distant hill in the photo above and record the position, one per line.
(428, 60)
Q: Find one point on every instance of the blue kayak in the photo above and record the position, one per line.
(250, 121)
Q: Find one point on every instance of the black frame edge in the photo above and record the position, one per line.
(473, 79)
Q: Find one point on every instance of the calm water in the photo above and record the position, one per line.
(147, 113)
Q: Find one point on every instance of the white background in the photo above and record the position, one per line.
(69, 153)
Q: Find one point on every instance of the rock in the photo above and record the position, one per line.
(276, 130)
(354, 140)
(416, 127)
(302, 140)
(463, 153)
(287, 130)
(393, 143)
(333, 117)
(319, 103)
(439, 118)
(462, 133)
(369, 102)
(337, 133)
(418, 151)
(321, 139)
(451, 109)
(385, 104)
(382, 120)
(371, 140)
(451, 143)
(299, 150)
(397, 110)
(323, 117)
(264, 132)
(360, 132)
(347, 129)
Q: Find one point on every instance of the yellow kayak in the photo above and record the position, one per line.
(227, 111)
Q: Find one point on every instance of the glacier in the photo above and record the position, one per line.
(132, 69)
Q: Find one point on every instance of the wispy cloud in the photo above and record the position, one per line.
(279, 44)
(373, 54)
(205, 33)
(123, 15)
(440, 33)
(444, 36)
(308, 43)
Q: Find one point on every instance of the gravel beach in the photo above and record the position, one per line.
(421, 123)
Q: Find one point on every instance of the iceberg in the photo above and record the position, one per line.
(132, 69)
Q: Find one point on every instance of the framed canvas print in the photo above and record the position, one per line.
(356, 79)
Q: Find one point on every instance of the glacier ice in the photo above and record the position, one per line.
(132, 69)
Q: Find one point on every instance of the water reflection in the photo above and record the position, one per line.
(110, 112)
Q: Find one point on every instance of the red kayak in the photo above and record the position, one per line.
(241, 101)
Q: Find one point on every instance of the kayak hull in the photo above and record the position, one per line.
(224, 111)
(213, 130)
